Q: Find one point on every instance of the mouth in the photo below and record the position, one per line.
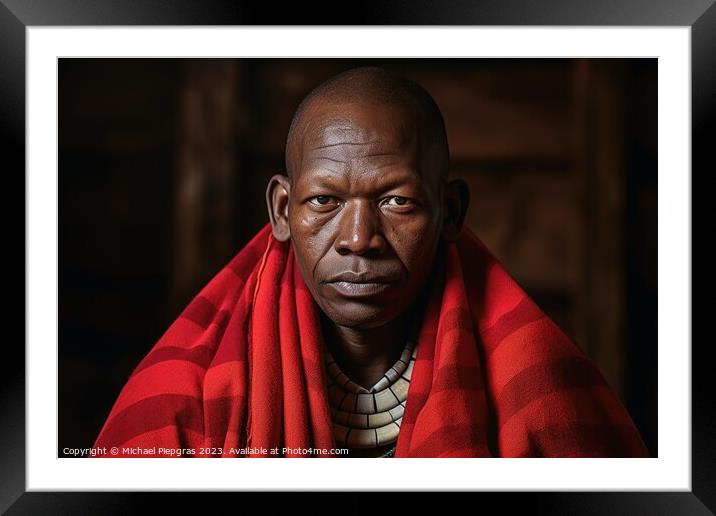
(353, 284)
(358, 289)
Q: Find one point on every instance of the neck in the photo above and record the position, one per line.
(365, 355)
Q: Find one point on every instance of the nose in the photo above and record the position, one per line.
(360, 230)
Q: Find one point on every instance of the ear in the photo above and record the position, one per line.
(278, 193)
(456, 199)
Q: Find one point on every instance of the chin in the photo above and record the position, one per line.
(359, 316)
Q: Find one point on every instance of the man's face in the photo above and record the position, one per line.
(364, 213)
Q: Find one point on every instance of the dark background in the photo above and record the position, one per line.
(163, 165)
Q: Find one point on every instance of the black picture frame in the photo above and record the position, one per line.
(17, 15)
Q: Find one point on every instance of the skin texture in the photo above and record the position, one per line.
(366, 207)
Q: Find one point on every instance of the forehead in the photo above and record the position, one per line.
(331, 124)
(368, 137)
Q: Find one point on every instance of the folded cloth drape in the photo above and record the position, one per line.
(240, 373)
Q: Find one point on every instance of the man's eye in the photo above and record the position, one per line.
(321, 200)
(396, 200)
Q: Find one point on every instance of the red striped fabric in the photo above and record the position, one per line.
(240, 372)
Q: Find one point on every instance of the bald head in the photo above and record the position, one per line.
(379, 88)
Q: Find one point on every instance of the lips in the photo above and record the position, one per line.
(361, 277)
(349, 289)
(360, 284)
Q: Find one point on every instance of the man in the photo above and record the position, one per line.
(366, 317)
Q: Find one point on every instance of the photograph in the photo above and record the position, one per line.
(456, 237)
(381, 258)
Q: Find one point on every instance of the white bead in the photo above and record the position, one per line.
(387, 434)
(392, 375)
(385, 400)
(396, 412)
(362, 439)
(380, 419)
(365, 404)
(400, 388)
(383, 383)
(408, 373)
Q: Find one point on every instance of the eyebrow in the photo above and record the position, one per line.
(335, 180)
(322, 178)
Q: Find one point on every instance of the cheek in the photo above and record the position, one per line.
(305, 223)
(414, 242)
(311, 232)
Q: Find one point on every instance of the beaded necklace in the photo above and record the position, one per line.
(369, 418)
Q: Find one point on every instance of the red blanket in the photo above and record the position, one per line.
(241, 372)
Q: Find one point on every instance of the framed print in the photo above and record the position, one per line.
(128, 114)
